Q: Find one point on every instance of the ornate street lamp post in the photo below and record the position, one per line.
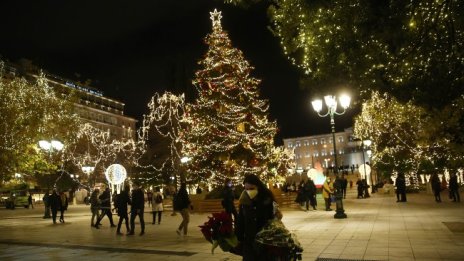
(331, 103)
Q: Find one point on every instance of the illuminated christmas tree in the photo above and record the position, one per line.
(229, 134)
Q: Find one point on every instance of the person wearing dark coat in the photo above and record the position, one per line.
(64, 206)
(137, 209)
(360, 186)
(366, 188)
(256, 209)
(400, 184)
(55, 204)
(454, 188)
(182, 205)
(228, 198)
(300, 195)
(46, 201)
(105, 206)
(29, 201)
(121, 202)
(344, 185)
(436, 187)
(310, 194)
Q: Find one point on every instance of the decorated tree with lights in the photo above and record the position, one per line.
(229, 133)
(399, 135)
(31, 111)
(160, 135)
(414, 50)
(95, 148)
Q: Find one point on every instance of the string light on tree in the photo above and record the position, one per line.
(229, 133)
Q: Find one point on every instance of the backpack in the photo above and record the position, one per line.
(158, 199)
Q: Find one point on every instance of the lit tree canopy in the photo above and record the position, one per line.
(395, 130)
(412, 49)
(30, 112)
(229, 134)
(406, 137)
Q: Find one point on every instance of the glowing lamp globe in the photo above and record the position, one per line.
(116, 174)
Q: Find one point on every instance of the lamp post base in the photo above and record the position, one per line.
(340, 212)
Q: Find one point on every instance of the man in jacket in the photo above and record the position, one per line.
(55, 204)
(310, 194)
(105, 199)
(228, 198)
(122, 199)
(137, 208)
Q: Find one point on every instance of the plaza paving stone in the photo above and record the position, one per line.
(377, 228)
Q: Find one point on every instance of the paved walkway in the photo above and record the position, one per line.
(377, 228)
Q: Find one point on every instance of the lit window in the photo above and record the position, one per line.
(322, 141)
(290, 145)
(316, 154)
(323, 153)
(314, 142)
(340, 139)
(297, 144)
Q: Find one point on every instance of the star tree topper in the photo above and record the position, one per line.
(216, 18)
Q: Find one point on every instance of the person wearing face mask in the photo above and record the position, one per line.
(256, 209)
(228, 198)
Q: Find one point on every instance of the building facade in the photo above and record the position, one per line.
(92, 106)
(317, 150)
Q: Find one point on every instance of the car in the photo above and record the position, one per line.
(17, 198)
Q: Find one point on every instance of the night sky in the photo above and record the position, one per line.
(132, 49)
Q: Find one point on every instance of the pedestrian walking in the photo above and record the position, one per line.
(300, 195)
(29, 201)
(436, 187)
(256, 209)
(366, 188)
(46, 201)
(344, 184)
(137, 208)
(360, 187)
(63, 206)
(327, 191)
(121, 202)
(310, 194)
(157, 205)
(182, 204)
(149, 197)
(228, 199)
(55, 204)
(351, 184)
(105, 206)
(454, 188)
(94, 207)
(400, 184)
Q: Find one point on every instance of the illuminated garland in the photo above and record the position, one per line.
(94, 147)
(164, 118)
(229, 133)
(405, 46)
